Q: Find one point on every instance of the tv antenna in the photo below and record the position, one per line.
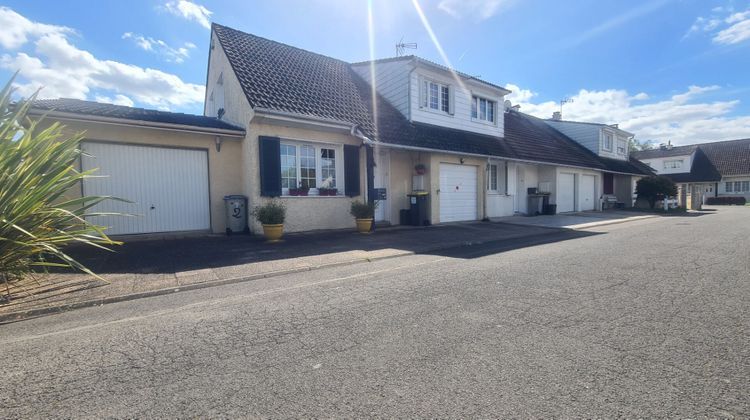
(401, 46)
(565, 101)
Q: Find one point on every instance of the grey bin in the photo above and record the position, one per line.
(236, 206)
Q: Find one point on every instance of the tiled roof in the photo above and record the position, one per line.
(284, 78)
(280, 77)
(664, 152)
(77, 106)
(729, 157)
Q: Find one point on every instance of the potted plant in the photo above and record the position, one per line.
(364, 214)
(326, 189)
(299, 191)
(271, 215)
(420, 169)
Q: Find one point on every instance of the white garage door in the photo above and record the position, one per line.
(168, 187)
(566, 193)
(458, 192)
(588, 192)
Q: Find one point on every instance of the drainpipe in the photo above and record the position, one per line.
(486, 190)
(370, 162)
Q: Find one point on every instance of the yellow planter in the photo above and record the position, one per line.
(273, 233)
(364, 225)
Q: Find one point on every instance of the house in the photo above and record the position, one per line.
(718, 169)
(611, 144)
(314, 132)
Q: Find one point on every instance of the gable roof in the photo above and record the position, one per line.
(97, 109)
(280, 77)
(712, 161)
(665, 152)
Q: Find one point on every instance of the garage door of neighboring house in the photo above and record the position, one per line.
(168, 187)
(458, 192)
(566, 193)
(588, 192)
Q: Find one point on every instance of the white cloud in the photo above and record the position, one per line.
(732, 28)
(683, 118)
(117, 100)
(190, 11)
(63, 70)
(167, 52)
(17, 29)
(479, 9)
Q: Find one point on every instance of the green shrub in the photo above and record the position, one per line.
(654, 188)
(37, 167)
(362, 210)
(271, 213)
(726, 201)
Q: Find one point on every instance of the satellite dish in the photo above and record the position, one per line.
(507, 105)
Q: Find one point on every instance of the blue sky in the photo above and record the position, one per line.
(664, 69)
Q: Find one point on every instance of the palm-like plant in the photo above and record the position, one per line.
(38, 165)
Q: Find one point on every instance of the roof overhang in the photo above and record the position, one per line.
(86, 118)
(290, 119)
(465, 77)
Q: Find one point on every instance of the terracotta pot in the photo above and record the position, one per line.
(364, 225)
(273, 233)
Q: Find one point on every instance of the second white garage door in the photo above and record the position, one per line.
(168, 187)
(566, 193)
(458, 192)
(588, 192)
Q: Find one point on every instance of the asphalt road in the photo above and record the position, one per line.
(644, 319)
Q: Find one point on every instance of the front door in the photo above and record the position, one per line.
(382, 169)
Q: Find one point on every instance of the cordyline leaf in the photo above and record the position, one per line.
(38, 169)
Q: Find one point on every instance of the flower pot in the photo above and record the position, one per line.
(273, 233)
(364, 225)
(421, 171)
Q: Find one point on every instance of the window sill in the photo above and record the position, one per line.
(483, 122)
(436, 111)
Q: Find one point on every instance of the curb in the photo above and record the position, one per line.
(610, 222)
(36, 313)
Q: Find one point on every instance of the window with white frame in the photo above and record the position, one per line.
(728, 187)
(673, 164)
(745, 186)
(608, 140)
(739, 186)
(492, 186)
(310, 166)
(436, 96)
(621, 147)
(483, 109)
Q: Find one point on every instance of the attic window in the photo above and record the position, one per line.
(673, 164)
(436, 96)
(621, 147)
(608, 140)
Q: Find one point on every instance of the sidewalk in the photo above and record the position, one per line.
(153, 267)
(578, 220)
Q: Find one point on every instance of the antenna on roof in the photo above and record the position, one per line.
(401, 46)
(563, 102)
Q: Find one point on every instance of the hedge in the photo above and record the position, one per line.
(726, 201)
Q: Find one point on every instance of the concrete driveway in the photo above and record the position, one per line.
(578, 220)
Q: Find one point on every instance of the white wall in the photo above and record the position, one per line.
(591, 136)
(657, 164)
(391, 81)
(461, 118)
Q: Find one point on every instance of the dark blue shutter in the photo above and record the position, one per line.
(351, 170)
(270, 166)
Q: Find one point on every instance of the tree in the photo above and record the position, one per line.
(653, 188)
(636, 145)
(38, 166)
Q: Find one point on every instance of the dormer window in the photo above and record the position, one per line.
(436, 96)
(483, 109)
(673, 164)
(621, 147)
(608, 141)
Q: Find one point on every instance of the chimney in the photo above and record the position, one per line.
(515, 108)
(557, 115)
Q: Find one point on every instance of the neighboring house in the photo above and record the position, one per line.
(609, 142)
(284, 118)
(716, 169)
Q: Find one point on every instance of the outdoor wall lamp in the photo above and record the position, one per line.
(218, 142)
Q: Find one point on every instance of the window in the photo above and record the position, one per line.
(745, 186)
(288, 166)
(737, 186)
(492, 186)
(608, 141)
(482, 109)
(673, 164)
(328, 168)
(621, 147)
(311, 166)
(728, 187)
(436, 96)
